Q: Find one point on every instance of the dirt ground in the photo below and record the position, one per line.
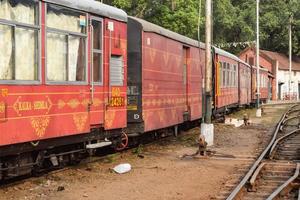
(158, 170)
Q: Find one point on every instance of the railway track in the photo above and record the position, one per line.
(276, 172)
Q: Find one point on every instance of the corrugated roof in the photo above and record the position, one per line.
(283, 60)
(94, 7)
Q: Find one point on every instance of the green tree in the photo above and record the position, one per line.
(233, 20)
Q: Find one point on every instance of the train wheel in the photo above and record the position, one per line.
(124, 142)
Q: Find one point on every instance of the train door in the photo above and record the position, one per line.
(97, 71)
(185, 58)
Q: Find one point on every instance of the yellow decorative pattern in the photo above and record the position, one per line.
(166, 58)
(173, 111)
(80, 120)
(61, 104)
(109, 118)
(85, 102)
(40, 124)
(152, 54)
(73, 103)
(4, 92)
(97, 102)
(2, 107)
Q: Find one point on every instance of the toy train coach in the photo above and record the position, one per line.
(66, 90)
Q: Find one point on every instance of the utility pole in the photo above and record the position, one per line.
(258, 112)
(208, 63)
(207, 128)
(290, 56)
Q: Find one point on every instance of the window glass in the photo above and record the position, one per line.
(97, 51)
(57, 57)
(65, 19)
(97, 33)
(228, 75)
(224, 74)
(6, 52)
(76, 59)
(19, 45)
(24, 11)
(66, 44)
(97, 66)
(26, 63)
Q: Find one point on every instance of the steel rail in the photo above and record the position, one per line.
(290, 118)
(239, 187)
(280, 139)
(284, 185)
(293, 111)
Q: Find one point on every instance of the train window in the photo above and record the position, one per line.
(19, 40)
(23, 11)
(97, 50)
(234, 74)
(228, 75)
(66, 45)
(65, 19)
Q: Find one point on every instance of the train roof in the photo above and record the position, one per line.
(229, 55)
(150, 27)
(94, 7)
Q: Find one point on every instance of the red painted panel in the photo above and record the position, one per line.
(164, 91)
(37, 112)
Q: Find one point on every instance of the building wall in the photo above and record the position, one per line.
(283, 77)
(250, 54)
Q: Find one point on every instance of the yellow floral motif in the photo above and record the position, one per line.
(73, 103)
(85, 102)
(109, 118)
(2, 107)
(166, 58)
(161, 115)
(80, 120)
(152, 55)
(154, 102)
(4, 92)
(61, 104)
(159, 101)
(97, 102)
(40, 124)
(173, 111)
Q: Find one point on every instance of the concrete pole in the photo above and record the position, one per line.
(208, 63)
(207, 128)
(258, 112)
(290, 57)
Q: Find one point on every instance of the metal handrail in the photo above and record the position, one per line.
(289, 181)
(258, 161)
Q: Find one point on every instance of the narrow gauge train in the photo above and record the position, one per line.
(64, 76)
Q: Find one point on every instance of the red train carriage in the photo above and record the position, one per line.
(63, 77)
(226, 80)
(164, 77)
(264, 88)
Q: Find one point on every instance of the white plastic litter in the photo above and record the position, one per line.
(122, 168)
(235, 122)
